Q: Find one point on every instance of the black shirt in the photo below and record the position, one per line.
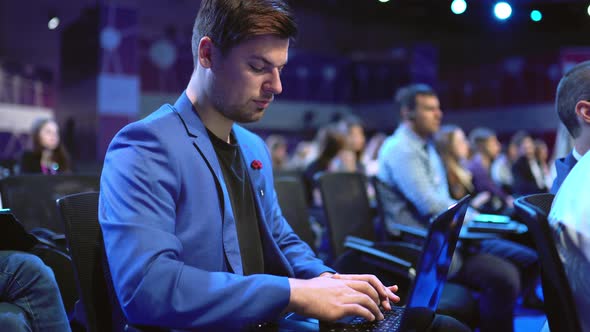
(239, 188)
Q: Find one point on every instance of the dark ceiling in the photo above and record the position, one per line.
(436, 14)
(476, 34)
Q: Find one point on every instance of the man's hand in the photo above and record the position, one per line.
(386, 294)
(331, 297)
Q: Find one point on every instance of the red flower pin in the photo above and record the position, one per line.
(256, 164)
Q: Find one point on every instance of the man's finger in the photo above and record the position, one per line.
(364, 288)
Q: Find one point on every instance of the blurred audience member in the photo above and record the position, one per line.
(542, 155)
(307, 151)
(48, 155)
(300, 157)
(277, 145)
(349, 159)
(332, 145)
(369, 158)
(573, 108)
(410, 165)
(527, 173)
(487, 148)
(501, 170)
(453, 148)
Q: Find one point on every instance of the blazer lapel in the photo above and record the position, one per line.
(198, 135)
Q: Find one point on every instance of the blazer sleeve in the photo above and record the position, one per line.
(140, 186)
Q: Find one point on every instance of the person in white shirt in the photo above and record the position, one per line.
(570, 218)
(570, 213)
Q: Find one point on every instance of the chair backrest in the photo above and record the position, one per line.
(32, 197)
(381, 193)
(347, 207)
(292, 200)
(396, 216)
(560, 307)
(79, 213)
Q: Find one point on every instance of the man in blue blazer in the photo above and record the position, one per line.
(573, 108)
(193, 233)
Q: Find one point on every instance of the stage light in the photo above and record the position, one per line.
(383, 0)
(53, 23)
(536, 15)
(502, 10)
(458, 6)
(588, 10)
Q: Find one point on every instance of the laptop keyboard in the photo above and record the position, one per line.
(391, 323)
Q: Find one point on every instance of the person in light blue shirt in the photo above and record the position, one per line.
(415, 174)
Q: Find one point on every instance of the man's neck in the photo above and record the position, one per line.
(213, 120)
(582, 143)
(412, 128)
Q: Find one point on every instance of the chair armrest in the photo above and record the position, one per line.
(414, 231)
(358, 240)
(383, 259)
(403, 250)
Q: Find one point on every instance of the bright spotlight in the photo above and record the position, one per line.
(588, 10)
(536, 15)
(53, 23)
(383, 0)
(458, 6)
(502, 10)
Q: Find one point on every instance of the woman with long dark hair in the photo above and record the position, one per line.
(453, 148)
(332, 144)
(48, 155)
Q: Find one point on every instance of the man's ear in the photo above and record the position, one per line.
(407, 113)
(206, 52)
(583, 110)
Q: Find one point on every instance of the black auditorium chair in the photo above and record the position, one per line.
(560, 308)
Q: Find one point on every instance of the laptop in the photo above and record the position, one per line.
(494, 224)
(13, 235)
(431, 275)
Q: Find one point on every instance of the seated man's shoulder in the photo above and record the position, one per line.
(163, 116)
(397, 144)
(161, 120)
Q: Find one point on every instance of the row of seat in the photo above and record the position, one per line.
(77, 216)
(349, 213)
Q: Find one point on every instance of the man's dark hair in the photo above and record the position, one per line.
(573, 87)
(479, 135)
(406, 96)
(229, 22)
(348, 122)
(519, 137)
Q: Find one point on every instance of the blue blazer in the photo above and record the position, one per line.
(170, 234)
(563, 166)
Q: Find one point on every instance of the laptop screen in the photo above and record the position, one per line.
(436, 257)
